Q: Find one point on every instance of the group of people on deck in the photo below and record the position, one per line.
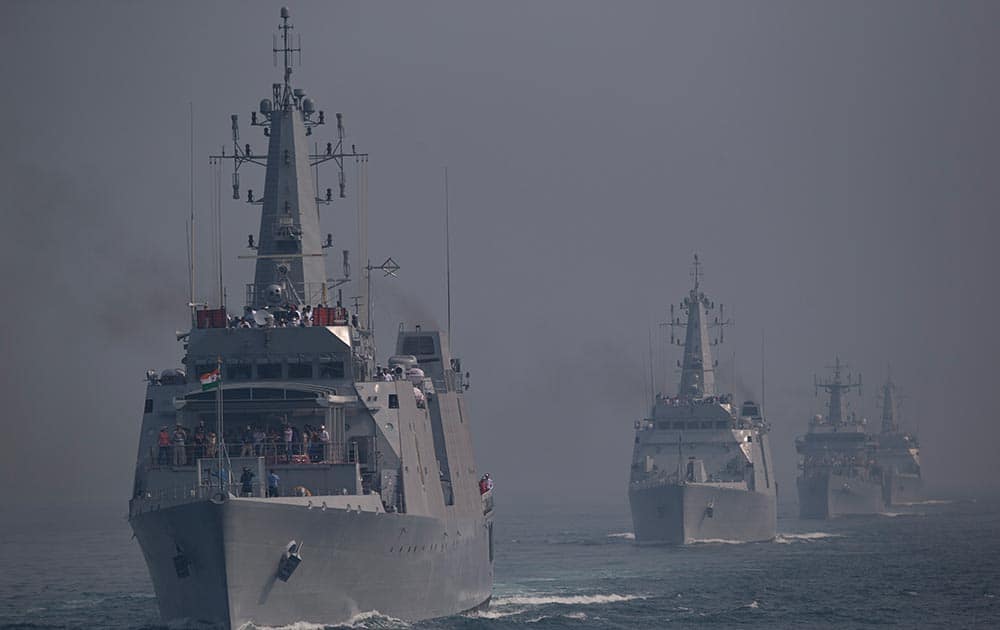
(284, 443)
(290, 316)
(180, 446)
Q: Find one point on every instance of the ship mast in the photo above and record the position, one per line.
(889, 424)
(289, 251)
(697, 366)
(837, 387)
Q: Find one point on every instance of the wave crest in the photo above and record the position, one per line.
(566, 600)
(370, 619)
(623, 535)
(786, 539)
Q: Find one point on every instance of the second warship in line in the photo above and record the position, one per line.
(839, 473)
(359, 490)
(898, 454)
(701, 465)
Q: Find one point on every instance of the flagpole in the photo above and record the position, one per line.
(220, 442)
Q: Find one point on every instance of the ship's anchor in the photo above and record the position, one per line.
(182, 566)
(290, 561)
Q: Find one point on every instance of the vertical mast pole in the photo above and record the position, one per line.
(652, 383)
(762, 391)
(218, 229)
(447, 249)
(219, 441)
(191, 218)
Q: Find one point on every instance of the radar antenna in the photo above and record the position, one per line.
(837, 387)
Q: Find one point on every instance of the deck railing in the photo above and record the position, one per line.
(186, 455)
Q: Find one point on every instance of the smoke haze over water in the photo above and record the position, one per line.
(834, 166)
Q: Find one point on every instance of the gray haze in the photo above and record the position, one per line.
(835, 165)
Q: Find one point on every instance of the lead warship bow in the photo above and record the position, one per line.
(840, 475)
(283, 476)
(701, 468)
(898, 454)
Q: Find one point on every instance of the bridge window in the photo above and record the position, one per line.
(300, 370)
(239, 372)
(266, 393)
(663, 425)
(149, 406)
(678, 425)
(331, 368)
(268, 371)
(393, 401)
(421, 345)
(721, 424)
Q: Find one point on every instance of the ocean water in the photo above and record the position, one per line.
(933, 565)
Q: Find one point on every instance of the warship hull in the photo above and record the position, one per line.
(903, 489)
(353, 562)
(679, 514)
(829, 495)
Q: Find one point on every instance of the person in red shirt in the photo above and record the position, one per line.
(163, 442)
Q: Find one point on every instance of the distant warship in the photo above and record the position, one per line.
(898, 454)
(283, 476)
(701, 466)
(840, 475)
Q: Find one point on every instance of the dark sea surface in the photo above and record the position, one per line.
(933, 565)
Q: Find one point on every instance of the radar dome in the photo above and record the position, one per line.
(265, 106)
(308, 106)
(273, 294)
(284, 12)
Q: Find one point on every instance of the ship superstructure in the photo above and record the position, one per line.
(839, 472)
(701, 464)
(898, 454)
(283, 475)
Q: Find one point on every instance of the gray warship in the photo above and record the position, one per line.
(898, 454)
(701, 465)
(839, 472)
(283, 475)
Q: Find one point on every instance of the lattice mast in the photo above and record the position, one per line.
(289, 250)
(890, 423)
(697, 366)
(836, 388)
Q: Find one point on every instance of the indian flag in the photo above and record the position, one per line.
(211, 380)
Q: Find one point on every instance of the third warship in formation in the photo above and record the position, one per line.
(898, 454)
(701, 466)
(283, 475)
(839, 473)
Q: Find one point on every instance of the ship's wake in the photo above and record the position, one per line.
(530, 605)
(787, 539)
(623, 535)
(372, 619)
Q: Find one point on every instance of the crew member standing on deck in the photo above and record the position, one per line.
(272, 484)
(246, 482)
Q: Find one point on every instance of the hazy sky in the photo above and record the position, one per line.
(835, 166)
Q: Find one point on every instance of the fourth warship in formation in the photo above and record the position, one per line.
(898, 454)
(701, 465)
(283, 475)
(839, 472)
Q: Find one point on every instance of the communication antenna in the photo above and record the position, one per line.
(447, 249)
(762, 390)
(190, 225)
(652, 382)
(218, 233)
(389, 269)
